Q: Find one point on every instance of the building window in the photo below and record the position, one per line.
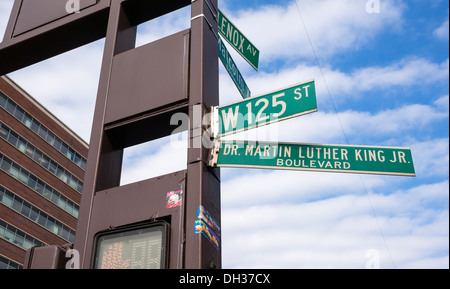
(27, 148)
(9, 264)
(15, 202)
(24, 117)
(41, 187)
(18, 237)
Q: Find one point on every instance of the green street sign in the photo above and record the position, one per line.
(261, 110)
(238, 40)
(233, 71)
(313, 157)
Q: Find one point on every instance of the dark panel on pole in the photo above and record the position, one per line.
(53, 38)
(141, 202)
(49, 257)
(36, 13)
(139, 77)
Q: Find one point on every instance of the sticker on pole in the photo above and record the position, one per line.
(174, 199)
(202, 228)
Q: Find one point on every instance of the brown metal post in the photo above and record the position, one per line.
(203, 182)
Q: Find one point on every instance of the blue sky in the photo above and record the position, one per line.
(382, 79)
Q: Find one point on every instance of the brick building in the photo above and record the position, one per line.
(42, 164)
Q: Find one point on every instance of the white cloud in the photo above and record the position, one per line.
(259, 188)
(338, 232)
(164, 26)
(431, 158)
(442, 32)
(166, 158)
(406, 72)
(391, 121)
(443, 103)
(278, 30)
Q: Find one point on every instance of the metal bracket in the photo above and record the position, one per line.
(214, 154)
(215, 122)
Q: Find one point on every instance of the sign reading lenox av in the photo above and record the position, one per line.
(261, 110)
(238, 40)
(314, 157)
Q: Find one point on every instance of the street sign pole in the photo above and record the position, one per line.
(313, 157)
(293, 101)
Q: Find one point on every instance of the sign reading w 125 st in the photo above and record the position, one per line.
(314, 157)
(261, 110)
(238, 40)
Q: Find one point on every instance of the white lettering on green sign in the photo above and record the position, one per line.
(261, 110)
(238, 40)
(315, 157)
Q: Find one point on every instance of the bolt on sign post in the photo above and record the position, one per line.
(314, 157)
(238, 40)
(293, 101)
